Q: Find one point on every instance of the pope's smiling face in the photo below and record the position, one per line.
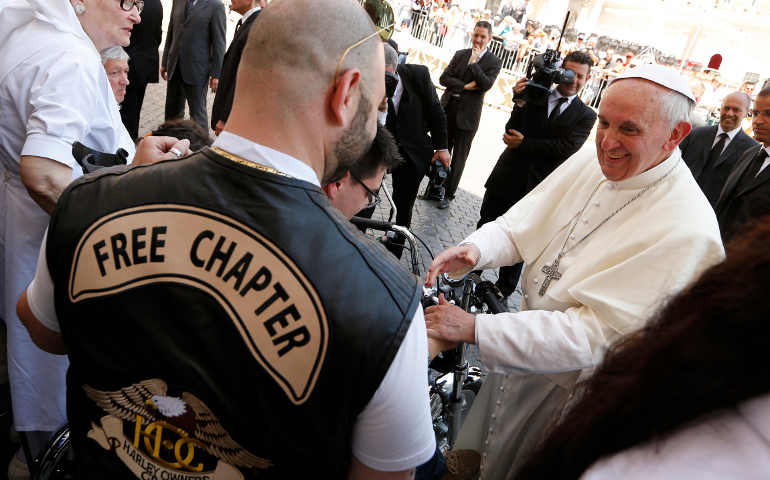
(633, 129)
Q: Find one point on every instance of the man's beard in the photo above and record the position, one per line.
(351, 146)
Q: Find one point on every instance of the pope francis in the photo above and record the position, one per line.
(607, 237)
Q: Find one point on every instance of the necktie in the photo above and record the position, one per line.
(556, 110)
(758, 161)
(188, 5)
(716, 151)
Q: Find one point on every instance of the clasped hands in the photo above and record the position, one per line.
(449, 324)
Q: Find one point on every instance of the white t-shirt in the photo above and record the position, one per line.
(394, 431)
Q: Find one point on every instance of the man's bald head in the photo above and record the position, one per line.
(735, 107)
(283, 39)
(289, 84)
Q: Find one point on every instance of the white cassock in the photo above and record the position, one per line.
(610, 284)
(53, 91)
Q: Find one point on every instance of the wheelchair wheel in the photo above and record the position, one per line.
(57, 461)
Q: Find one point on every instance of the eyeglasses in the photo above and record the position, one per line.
(127, 5)
(757, 113)
(372, 197)
(347, 50)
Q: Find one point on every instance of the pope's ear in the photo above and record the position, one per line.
(681, 130)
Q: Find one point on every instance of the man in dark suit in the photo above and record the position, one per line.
(469, 75)
(143, 63)
(712, 152)
(223, 101)
(417, 121)
(192, 57)
(746, 195)
(538, 139)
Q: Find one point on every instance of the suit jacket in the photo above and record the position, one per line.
(419, 114)
(196, 44)
(223, 101)
(457, 74)
(741, 201)
(144, 63)
(545, 146)
(696, 148)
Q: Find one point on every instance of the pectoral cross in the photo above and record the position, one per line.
(551, 273)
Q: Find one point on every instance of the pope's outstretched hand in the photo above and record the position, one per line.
(453, 259)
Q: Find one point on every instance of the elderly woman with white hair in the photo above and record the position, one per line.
(53, 92)
(115, 61)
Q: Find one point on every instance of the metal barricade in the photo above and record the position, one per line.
(592, 91)
(425, 28)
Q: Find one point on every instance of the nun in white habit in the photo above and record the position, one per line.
(608, 236)
(53, 91)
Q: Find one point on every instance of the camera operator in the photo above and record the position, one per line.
(538, 138)
(417, 122)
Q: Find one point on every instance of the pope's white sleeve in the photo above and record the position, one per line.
(496, 245)
(539, 341)
(394, 432)
(40, 292)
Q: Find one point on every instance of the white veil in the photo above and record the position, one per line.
(58, 13)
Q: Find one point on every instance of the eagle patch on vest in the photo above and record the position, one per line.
(172, 437)
(272, 304)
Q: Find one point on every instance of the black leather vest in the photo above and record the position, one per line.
(219, 318)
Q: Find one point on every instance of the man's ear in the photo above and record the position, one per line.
(681, 130)
(342, 102)
(331, 189)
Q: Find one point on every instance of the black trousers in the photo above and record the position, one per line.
(492, 207)
(178, 92)
(132, 104)
(406, 183)
(459, 144)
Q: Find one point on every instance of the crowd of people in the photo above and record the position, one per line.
(208, 309)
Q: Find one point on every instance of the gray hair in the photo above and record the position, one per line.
(676, 107)
(115, 52)
(391, 56)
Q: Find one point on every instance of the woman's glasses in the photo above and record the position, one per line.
(127, 5)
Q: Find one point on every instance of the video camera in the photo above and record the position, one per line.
(543, 71)
(437, 175)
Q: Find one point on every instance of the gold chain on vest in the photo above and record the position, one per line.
(242, 161)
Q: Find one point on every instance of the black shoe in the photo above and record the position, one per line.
(444, 203)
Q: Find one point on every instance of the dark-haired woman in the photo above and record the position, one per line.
(686, 397)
